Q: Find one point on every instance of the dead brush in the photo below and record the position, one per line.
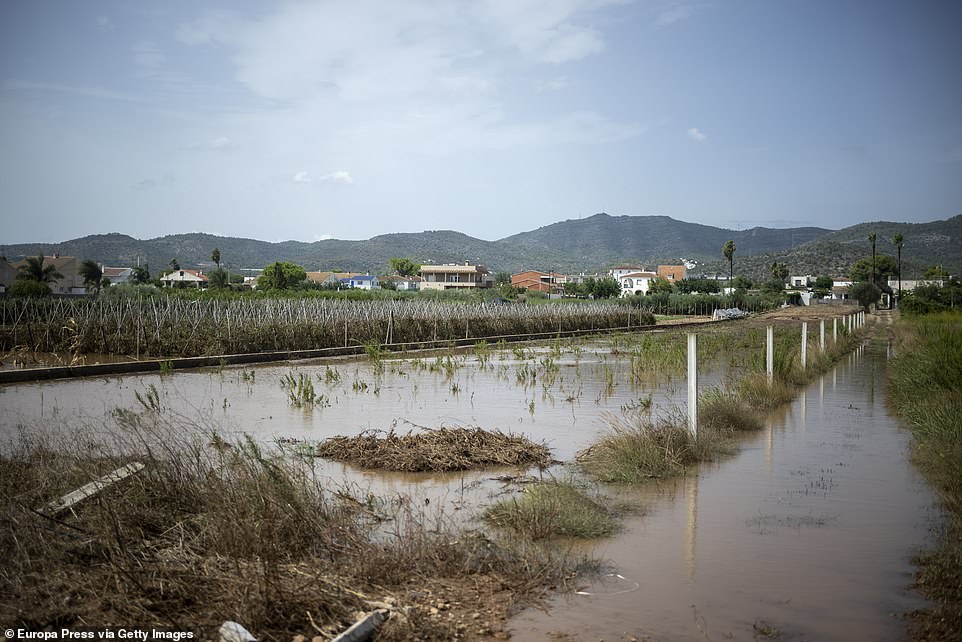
(443, 449)
(214, 529)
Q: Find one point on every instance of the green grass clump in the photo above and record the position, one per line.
(758, 393)
(553, 509)
(924, 386)
(724, 411)
(636, 447)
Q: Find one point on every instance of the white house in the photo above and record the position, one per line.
(452, 276)
(636, 282)
(184, 278)
(117, 274)
(908, 285)
(801, 281)
(623, 270)
(362, 282)
(403, 283)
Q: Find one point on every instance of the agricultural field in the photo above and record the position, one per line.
(193, 325)
(176, 327)
(450, 487)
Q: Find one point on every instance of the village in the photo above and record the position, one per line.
(70, 276)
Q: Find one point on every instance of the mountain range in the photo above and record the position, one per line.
(589, 245)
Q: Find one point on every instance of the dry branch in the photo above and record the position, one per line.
(444, 449)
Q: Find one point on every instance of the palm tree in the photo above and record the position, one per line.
(779, 272)
(897, 239)
(92, 274)
(729, 251)
(215, 257)
(33, 269)
(871, 238)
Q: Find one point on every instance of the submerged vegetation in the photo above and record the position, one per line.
(214, 529)
(924, 386)
(443, 449)
(552, 509)
(638, 446)
(211, 530)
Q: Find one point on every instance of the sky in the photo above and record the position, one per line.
(348, 119)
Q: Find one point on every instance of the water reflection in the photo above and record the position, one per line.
(691, 532)
(809, 531)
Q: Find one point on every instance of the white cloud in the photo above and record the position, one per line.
(372, 84)
(376, 50)
(696, 135)
(339, 177)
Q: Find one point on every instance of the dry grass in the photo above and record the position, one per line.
(443, 449)
(212, 530)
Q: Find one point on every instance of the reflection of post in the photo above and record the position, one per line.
(770, 447)
(801, 414)
(691, 495)
(693, 384)
(821, 335)
(804, 343)
(770, 353)
(821, 392)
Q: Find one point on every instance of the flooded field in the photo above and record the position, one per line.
(805, 534)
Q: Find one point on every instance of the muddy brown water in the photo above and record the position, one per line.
(808, 531)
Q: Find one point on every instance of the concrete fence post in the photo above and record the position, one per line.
(834, 329)
(693, 384)
(770, 353)
(804, 344)
(821, 335)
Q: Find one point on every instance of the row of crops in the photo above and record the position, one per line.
(173, 327)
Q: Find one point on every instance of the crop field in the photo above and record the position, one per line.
(183, 328)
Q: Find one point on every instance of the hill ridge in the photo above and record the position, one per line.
(587, 244)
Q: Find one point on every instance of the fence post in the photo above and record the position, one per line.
(821, 335)
(804, 344)
(770, 353)
(834, 329)
(693, 384)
